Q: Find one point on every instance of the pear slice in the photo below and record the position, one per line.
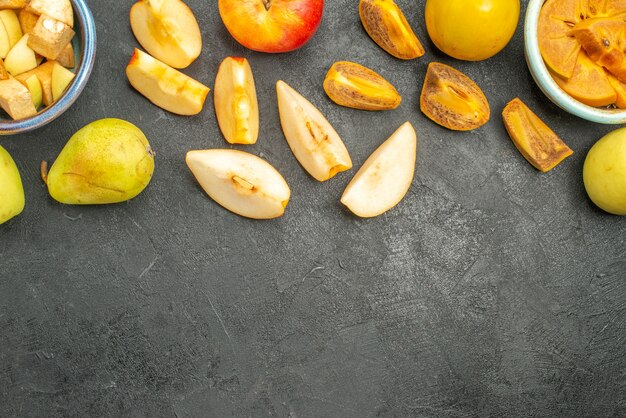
(312, 139)
(164, 86)
(168, 30)
(240, 182)
(12, 198)
(12, 25)
(386, 176)
(236, 105)
(33, 85)
(44, 74)
(61, 78)
(20, 58)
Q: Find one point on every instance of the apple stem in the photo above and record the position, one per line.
(267, 4)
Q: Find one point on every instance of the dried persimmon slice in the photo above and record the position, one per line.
(533, 138)
(452, 99)
(558, 47)
(620, 91)
(589, 84)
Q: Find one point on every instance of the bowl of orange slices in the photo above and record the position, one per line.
(575, 50)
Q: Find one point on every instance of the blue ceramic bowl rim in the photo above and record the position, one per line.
(87, 27)
(549, 87)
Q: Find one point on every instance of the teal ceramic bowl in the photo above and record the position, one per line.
(85, 48)
(549, 87)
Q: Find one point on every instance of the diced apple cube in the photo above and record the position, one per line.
(12, 4)
(11, 25)
(58, 9)
(15, 99)
(33, 85)
(66, 57)
(61, 78)
(44, 73)
(27, 20)
(20, 58)
(50, 36)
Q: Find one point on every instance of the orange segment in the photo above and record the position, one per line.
(588, 84)
(604, 41)
(558, 48)
(533, 138)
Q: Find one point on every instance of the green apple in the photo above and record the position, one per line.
(11, 189)
(604, 173)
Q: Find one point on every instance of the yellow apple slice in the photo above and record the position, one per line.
(164, 86)
(33, 85)
(57, 9)
(20, 58)
(61, 78)
(235, 101)
(15, 99)
(386, 176)
(5, 44)
(12, 25)
(168, 30)
(240, 182)
(312, 139)
(44, 74)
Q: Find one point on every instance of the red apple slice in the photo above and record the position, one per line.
(236, 103)
(164, 86)
(168, 30)
(312, 139)
(386, 176)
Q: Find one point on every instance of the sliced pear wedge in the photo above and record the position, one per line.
(240, 182)
(312, 139)
(236, 104)
(386, 176)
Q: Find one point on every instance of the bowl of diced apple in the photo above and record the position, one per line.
(47, 53)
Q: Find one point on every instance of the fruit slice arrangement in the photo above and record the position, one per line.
(583, 43)
(36, 54)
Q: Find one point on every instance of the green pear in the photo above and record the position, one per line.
(11, 189)
(107, 161)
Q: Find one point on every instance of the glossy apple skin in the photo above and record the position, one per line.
(284, 26)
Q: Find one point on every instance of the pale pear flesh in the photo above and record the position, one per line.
(386, 177)
(107, 161)
(235, 99)
(312, 139)
(240, 182)
(168, 30)
(12, 198)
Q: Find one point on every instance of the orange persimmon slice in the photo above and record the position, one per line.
(558, 48)
(452, 100)
(533, 138)
(589, 84)
(620, 91)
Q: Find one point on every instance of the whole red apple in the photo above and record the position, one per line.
(272, 25)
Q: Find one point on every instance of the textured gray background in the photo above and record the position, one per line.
(491, 290)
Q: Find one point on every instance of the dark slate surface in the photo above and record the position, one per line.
(492, 290)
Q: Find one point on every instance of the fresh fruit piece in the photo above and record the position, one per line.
(107, 161)
(164, 86)
(312, 139)
(11, 189)
(5, 44)
(168, 30)
(620, 91)
(353, 85)
(12, 25)
(533, 138)
(15, 99)
(4, 75)
(271, 25)
(236, 103)
(240, 182)
(66, 57)
(385, 23)
(452, 100)
(558, 47)
(604, 41)
(61, 78)
(386, 176)
(33, 85)
(44, 74)
(20, 58)
(27, 20)
(57, 9)
(471, 30)
(588, 84)
(12, 4)
(49, 37)
(604, 173)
